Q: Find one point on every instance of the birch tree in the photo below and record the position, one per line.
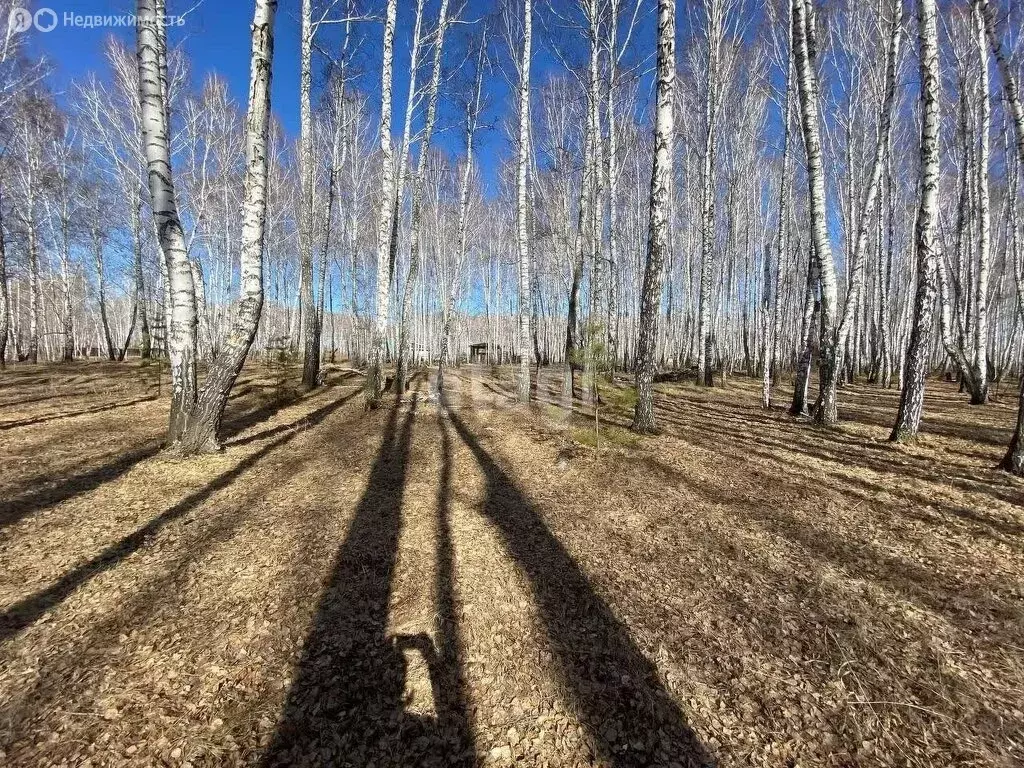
(473, 108)
(310, 332)
(375, 380)
(772, 289)
(522, 225)
(804, 56)
(151, 48)
(415, 241)
(717, 34)
(201, 434)
(5, 296)
(863, 230)
(908, 418)
(1013, 461)
(660, 214)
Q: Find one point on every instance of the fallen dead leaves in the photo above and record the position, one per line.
(415, 587)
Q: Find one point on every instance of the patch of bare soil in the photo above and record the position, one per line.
(477, 584)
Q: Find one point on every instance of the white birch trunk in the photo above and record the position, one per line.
(1013, 461)
(860, 245)
(472, 117)
(807, 81)
(415, 244)
(181, 327)
(660, 207)
(202, 432)
(522, 223)
(908, 419)
(310, 332)
(979, 358)
(375, 381)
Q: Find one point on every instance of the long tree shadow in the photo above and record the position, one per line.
(245, 422)
(449, 681)
(25, 504)
(30, 609)
(85, 412)
(345, 705)
(631, 719)
(235, 424)
(48, 496)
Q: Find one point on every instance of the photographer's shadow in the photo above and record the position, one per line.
(360, 697)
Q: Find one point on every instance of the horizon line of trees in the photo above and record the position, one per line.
(810, 187)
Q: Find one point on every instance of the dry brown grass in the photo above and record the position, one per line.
(420, 587)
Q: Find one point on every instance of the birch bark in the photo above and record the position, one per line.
(310, 326)
(715, 32)
(375, 381)
(472, 117)
(1013, 461)
(204, 424)
(908, 419)
(660, 214)
(771, 336)
(415, 244)
(522, 223)
(5, 296)
(151, 38)
(804, 56)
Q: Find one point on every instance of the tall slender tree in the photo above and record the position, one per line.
(522, 197)
(804, 57)
(203, 426)
(151, 52)
(908, 419)
(1013, 461)
(375, 380)
(660, 215)
(415, 235)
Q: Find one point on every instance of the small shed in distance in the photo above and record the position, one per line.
(478, 352)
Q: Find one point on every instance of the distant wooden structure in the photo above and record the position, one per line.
(478, 352)
(483, 352)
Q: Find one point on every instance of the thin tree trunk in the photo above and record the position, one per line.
(812, 308)
(309, 332)
(771, 337)
(804, 57)
(979, 358)
(472, 116)
(138, 289)
(203, 427)
(705, 372)
(658, 232)
(522, 223)
(1014, 459)
(5, 296)
(181, 331)
(415, 245)
(860, 246)
(101, 293)
(908, 419)
(34, 300)
(375, 381)
(67, 321)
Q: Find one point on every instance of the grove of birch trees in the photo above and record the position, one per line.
(810, 193)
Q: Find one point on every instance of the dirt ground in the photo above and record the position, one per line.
(482, 585)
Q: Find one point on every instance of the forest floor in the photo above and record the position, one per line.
(479, 584)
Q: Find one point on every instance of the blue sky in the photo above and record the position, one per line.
(216, 37)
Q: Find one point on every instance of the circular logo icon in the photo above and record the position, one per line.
(46, 19)
(19, 20)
